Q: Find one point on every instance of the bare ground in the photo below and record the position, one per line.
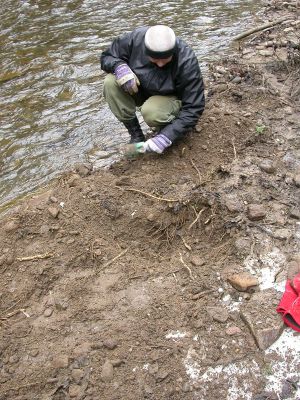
(115, 284)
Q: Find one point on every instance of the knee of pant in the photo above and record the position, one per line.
(110, 85)
(152, 114)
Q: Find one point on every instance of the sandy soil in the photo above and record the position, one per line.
(159, 277)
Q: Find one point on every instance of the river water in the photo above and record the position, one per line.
(51, 106)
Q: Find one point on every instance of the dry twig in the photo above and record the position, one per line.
(186, 267)
(197, 169)
(198, 216)
(115, 258)
(149, 195)
(36, 257)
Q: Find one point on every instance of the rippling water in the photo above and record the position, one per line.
(51, 106)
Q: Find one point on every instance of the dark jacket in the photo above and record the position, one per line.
(181, 77)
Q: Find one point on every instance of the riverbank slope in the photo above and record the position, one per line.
(159, 277)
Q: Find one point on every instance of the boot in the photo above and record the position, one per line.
(135, 130)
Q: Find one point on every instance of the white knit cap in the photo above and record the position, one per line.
(160, 41)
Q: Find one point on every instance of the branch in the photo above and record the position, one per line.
(260, 28)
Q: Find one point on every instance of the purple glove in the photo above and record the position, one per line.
(157, 144)
(126, 79)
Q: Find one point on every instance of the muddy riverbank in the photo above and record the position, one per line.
(159, 277)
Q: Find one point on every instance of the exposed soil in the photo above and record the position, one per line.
(114, 283)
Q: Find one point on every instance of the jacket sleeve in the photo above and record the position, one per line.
(117, 53)
(190, 86)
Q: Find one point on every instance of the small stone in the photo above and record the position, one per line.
(84, 169)
(282, 234)
(77, 375)
(236, 79)
(74, 180)
(82, 349)
(233, 330)
(295, 213)
(117, 362)
(61, 361)
(233, 203)
(14, 359)
(293, 268)
(34, 353)
(48, 312)
(266, 53)
(75, 391)
(53, 199)
(197, 261)
(186, 387)
(259, 313)
(11, 226)
(219, 314)
(256, 212)
(296, 180)
(107, 372)
(243, 281)
(110, 344)
(267, 166)
(53, 211)
(161, 375)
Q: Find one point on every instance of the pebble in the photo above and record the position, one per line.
(219, 314)
(77, 375)
(53, 211)
(237, 79)
(243, 281)
(296, 180)
(14, 359)
(110, 344)
(282, 234)
(82, 349)
(256, 212)
(107, 371)
(75, 391)
(233, 330)
(48, 312)
(233, 204)
(186, 387)
(53, 199)
(197, 261)
(267, 166)
(61, 361)
(34, 353)
(294, 213)
(11, 226)
(74, 180)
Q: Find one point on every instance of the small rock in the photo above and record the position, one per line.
(236, 79)
(75, 391)
(233, 203)
(77, 375)
(293, 268)
(161, 375)
(268, 166)
(84, 169)
(282, 234)
(74, 180)
(11, 226)
(53, 199)
(110, 344)
(13, 359)
(107, 372)
(256, 212)
(48, 312)
(266, 53)
(61, 361)
(53, 211)
(219, 314)
(259, 313)
(82, 349)
(186, 387)
(197, 261)
(243, 281)
(295, 213)
(296, 180)
(233, 330)
(34, 353)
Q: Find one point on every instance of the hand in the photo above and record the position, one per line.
(126, 79)
(157, 144)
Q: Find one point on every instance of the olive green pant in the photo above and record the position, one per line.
(157, 111)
